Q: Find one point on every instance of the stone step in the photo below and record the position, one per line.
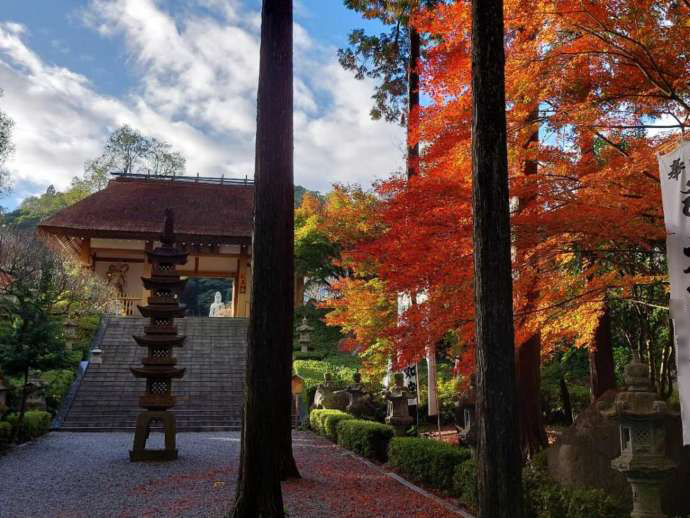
(209, 397)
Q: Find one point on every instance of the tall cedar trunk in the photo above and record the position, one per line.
(499, 477)
(413, 106)
(299, 289)
(532, 431)
(602, 374)
(266, 449)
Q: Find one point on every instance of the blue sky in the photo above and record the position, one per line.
(185, 72)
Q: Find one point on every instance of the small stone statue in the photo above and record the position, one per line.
(398, 413)
(360, 400)
(217, 307)
(327, 396)
(464, 413)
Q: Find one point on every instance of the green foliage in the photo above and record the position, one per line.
(6, 146)
(621, 358)
(317, 417)
(128, 151)
(427, 461)
(56, 386)
(30, 332)
(35, 424)
(311, 355)
(572, 365)
(366, 438)
(545, 498)
(465, 482)
(330, 424)
(312, 371)
(324, 339)
(5, 433)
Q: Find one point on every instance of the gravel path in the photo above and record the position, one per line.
(89, 475)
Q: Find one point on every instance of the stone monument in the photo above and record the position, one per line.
(360, 402)
(398, 412)
(328, 397)
(160, 336)
(641, 421)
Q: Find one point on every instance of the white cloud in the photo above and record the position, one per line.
(195, 88)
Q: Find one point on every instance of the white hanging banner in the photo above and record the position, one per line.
(674, 173)
(433, 388)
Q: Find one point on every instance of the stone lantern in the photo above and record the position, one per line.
(465, 414)
(641, 421)
(34, 390)
(398, 411)
(70, 330)
(304, 335)
(96, 356)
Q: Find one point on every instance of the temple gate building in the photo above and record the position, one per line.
(110, 231)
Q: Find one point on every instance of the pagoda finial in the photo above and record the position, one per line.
(168, 236)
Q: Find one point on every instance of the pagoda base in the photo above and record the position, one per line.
(139, 453)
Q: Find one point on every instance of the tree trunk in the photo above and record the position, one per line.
(266, 448)
(413, 105)
(532, 431)
(22, 406)
(602, 373)
(528, 369)
(565, 400)
(299, 290)
(499, 477)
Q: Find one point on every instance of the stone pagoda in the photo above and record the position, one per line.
(160, 336)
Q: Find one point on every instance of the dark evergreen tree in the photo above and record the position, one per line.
(266, 455)
(499, 459)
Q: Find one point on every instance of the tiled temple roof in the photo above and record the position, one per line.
(133, 207)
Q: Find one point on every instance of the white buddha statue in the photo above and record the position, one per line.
(217, 307)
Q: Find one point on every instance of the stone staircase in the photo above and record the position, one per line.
(209, 397)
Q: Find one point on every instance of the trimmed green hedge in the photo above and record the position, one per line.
(427, 461)
(35, 424)
(366, 438)
(5, 433)
(465, 482)
(317, 417)
(330, 424)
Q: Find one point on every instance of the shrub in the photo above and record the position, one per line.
(310, 355)
(330, 424)
(57, 384)
(35, 424)
(427, 461)
(317, 416)
(366, 438)
(5, 433)
(545, 498)
(465, 482)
